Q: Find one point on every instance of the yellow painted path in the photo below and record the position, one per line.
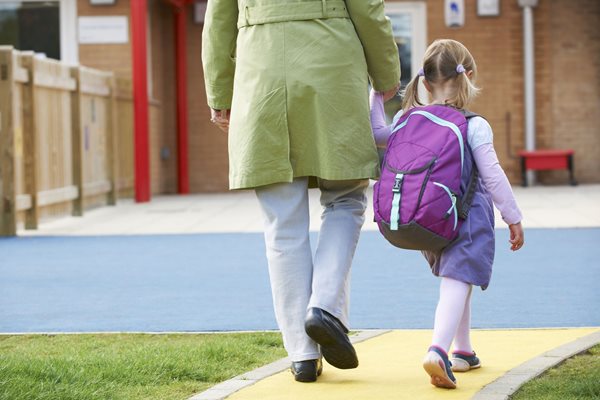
(390, 367)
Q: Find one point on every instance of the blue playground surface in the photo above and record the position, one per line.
(219, 282)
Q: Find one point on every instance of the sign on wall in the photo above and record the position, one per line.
(454, 13)
(488, 8)
(103, 30)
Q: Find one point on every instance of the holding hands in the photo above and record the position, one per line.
(389, 94)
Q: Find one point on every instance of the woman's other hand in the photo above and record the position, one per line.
(220, 118)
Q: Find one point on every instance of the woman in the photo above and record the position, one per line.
(288, 79)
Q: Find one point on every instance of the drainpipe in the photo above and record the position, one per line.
(529, 75)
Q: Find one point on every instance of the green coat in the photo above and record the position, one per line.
(295, 75)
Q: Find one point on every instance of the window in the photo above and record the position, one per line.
(46, 27)
(31, 26)
(409, 26)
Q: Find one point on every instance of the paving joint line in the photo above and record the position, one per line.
(229, 387)
(506, 385)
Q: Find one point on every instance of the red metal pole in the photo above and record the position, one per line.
(140, 100)
(182, 106)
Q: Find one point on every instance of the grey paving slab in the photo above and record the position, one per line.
(508, 384)
(543, 207)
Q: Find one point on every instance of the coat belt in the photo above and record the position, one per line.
(298, 11)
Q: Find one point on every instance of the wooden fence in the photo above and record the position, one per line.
(66, 139)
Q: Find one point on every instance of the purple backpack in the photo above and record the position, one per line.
(418, 201)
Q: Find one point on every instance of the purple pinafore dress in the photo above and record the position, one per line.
(470, 257)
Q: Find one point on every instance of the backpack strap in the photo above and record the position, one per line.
(469, 114)
(467, 199)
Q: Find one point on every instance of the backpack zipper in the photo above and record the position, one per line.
(411, 171)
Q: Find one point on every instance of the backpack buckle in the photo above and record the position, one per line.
(397, 183)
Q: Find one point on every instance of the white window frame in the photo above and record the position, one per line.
(69, 50)
(418, 13)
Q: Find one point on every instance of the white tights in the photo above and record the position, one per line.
(453, 316)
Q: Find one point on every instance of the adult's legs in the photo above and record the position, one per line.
(344, 205)
(286, 215)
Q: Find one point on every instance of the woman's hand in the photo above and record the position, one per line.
(220, 118)
(517, 238)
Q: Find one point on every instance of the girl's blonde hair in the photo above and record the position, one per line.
(441, 63)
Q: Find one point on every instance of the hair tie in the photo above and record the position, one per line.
(460, 69)
(421, 72)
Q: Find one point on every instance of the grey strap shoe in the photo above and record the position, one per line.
(463, 362)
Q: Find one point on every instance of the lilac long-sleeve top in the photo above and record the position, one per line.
(480, 138)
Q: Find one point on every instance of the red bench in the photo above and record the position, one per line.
(537, 160)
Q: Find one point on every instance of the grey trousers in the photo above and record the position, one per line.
(298, 280)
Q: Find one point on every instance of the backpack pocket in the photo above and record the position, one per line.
(399, 193)
(439, 210)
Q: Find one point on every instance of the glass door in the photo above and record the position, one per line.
(409, 25)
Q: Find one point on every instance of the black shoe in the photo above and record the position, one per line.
(328, 331)
(307, 371)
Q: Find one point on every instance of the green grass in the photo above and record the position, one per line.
(577, 378)
(174, 367)
(127, 366)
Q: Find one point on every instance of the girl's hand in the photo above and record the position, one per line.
(390, 94)
(517, 238)
(220, 118)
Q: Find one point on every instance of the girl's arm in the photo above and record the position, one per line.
(381, 130)
(481, 139)
(496, 183)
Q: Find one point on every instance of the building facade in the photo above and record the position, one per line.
(97, 33)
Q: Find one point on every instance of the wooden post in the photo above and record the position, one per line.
(112, 149)
(30, 158)
(8, 200)
(77, 142)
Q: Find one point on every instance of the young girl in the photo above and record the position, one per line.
(448, 73)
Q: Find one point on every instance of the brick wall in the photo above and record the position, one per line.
(109, 57)
(567, 72)
(163, 169)
(208, 158)
(575, 47)
(567, 46)
(496, 45)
